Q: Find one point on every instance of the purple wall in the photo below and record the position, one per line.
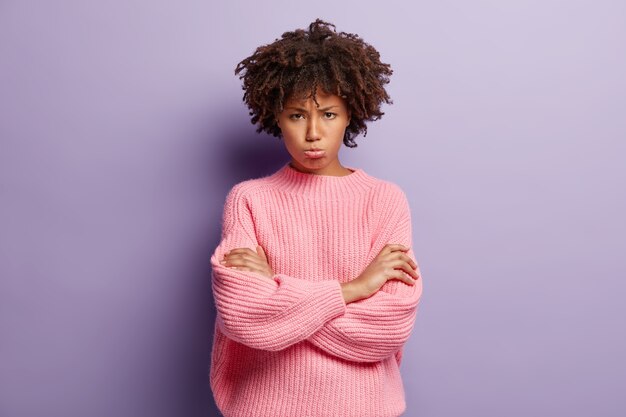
(122, 128)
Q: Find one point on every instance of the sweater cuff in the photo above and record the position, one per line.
(335, 303)
(322, 298)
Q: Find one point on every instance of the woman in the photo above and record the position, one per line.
(315, 284)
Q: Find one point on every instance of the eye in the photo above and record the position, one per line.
(330, 115)
(295, 116)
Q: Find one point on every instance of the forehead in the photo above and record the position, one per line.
(322, 97)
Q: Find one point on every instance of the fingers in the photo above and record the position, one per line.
(246, 264)
(390, 247)
(246, 259)
(404, 266)
(238, 251)
(243, 259)
(401, 276)
(261, 252)
(399, 255)
(403, 256)
(239, 256)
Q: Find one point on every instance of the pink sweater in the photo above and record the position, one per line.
(290, 346)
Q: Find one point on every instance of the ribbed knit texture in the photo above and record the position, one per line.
(290, 346)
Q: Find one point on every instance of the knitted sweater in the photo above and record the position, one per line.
(290, 346)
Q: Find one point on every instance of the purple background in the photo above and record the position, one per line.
(122, 128)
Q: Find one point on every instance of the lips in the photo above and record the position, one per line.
(314, 153)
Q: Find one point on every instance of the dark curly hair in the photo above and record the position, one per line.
(295, 65)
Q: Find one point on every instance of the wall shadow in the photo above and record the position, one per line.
(243, 154)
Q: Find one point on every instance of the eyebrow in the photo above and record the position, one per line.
(305, 111)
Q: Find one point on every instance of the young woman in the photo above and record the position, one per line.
(315, 284)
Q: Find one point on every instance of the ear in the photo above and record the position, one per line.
(349, 118)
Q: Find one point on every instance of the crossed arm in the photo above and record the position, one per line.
(273, 311)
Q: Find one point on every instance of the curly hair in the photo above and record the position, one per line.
(295, 65)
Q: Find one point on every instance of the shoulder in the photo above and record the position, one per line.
(387, 190)
(243, 191)
(237, 205)
(389, 201)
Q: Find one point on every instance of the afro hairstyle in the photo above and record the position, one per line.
(302, 61)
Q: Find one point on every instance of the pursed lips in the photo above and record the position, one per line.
(314, 153)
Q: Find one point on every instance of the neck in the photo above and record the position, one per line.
(333, 170)
(320, 186)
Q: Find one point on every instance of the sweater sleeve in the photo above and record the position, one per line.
(377, 327)
(258, 311)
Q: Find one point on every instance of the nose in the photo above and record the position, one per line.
(313, 130)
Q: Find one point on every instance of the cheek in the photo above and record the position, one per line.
(340, 131)
(289, 128)
(290, 134)
(290, 138)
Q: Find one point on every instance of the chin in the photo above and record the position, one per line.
(313, 164)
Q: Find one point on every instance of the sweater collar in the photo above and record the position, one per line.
(333, 187)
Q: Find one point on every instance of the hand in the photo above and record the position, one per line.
(391, 263)
(246, 259)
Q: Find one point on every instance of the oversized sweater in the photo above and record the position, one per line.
(290, 346)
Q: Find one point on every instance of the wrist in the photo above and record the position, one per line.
(350, 291)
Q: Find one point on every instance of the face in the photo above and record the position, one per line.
(313, 135)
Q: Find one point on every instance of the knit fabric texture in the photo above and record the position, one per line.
(290, 346)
